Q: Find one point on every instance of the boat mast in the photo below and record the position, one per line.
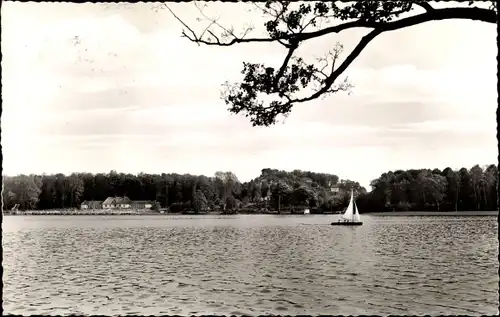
(353, 204)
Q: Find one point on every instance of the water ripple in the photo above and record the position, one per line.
(249, 265)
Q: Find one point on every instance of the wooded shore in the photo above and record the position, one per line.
(216, 213)
(473, 189)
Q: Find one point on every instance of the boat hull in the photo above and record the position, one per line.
(351, 223)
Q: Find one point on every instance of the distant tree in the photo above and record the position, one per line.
(48, 192)
(256, 191)
(230, 203)
(23, 190)
(204, 184)
(199, 202)
(156, 206)
(303, 196)
(491, 178)
(280, 194)
(265, 189)
(477, 180)
(227, 184)
(76, 189)
(466, 200)
(436, 171)
(9, 199)
(453, 190)
(437, 186)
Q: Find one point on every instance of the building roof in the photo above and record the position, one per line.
(108, 201)
(142, 202)
(123, 200)
(117, 200)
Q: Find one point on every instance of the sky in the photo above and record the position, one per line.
(99, 87)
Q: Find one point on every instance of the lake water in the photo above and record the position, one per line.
(261, 264)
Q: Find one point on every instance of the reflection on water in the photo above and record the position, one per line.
(249, 265)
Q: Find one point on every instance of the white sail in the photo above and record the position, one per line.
(355, 216)
(351, 213)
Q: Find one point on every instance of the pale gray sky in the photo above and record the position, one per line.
(90, 87)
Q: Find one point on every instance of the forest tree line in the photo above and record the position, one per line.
(472, 189)
(423, 189)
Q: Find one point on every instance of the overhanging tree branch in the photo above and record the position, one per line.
(288, 25)
(425, 5)
(403, 23)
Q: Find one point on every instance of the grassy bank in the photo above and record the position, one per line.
(435, 213)
(215, 213)
(134, 212)
(79, 212)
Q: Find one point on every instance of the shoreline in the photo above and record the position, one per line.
(151, 213)
(433, 213)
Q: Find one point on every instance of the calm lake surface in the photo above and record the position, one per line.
(249, 264)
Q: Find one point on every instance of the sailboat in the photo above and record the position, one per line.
(351, 216)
